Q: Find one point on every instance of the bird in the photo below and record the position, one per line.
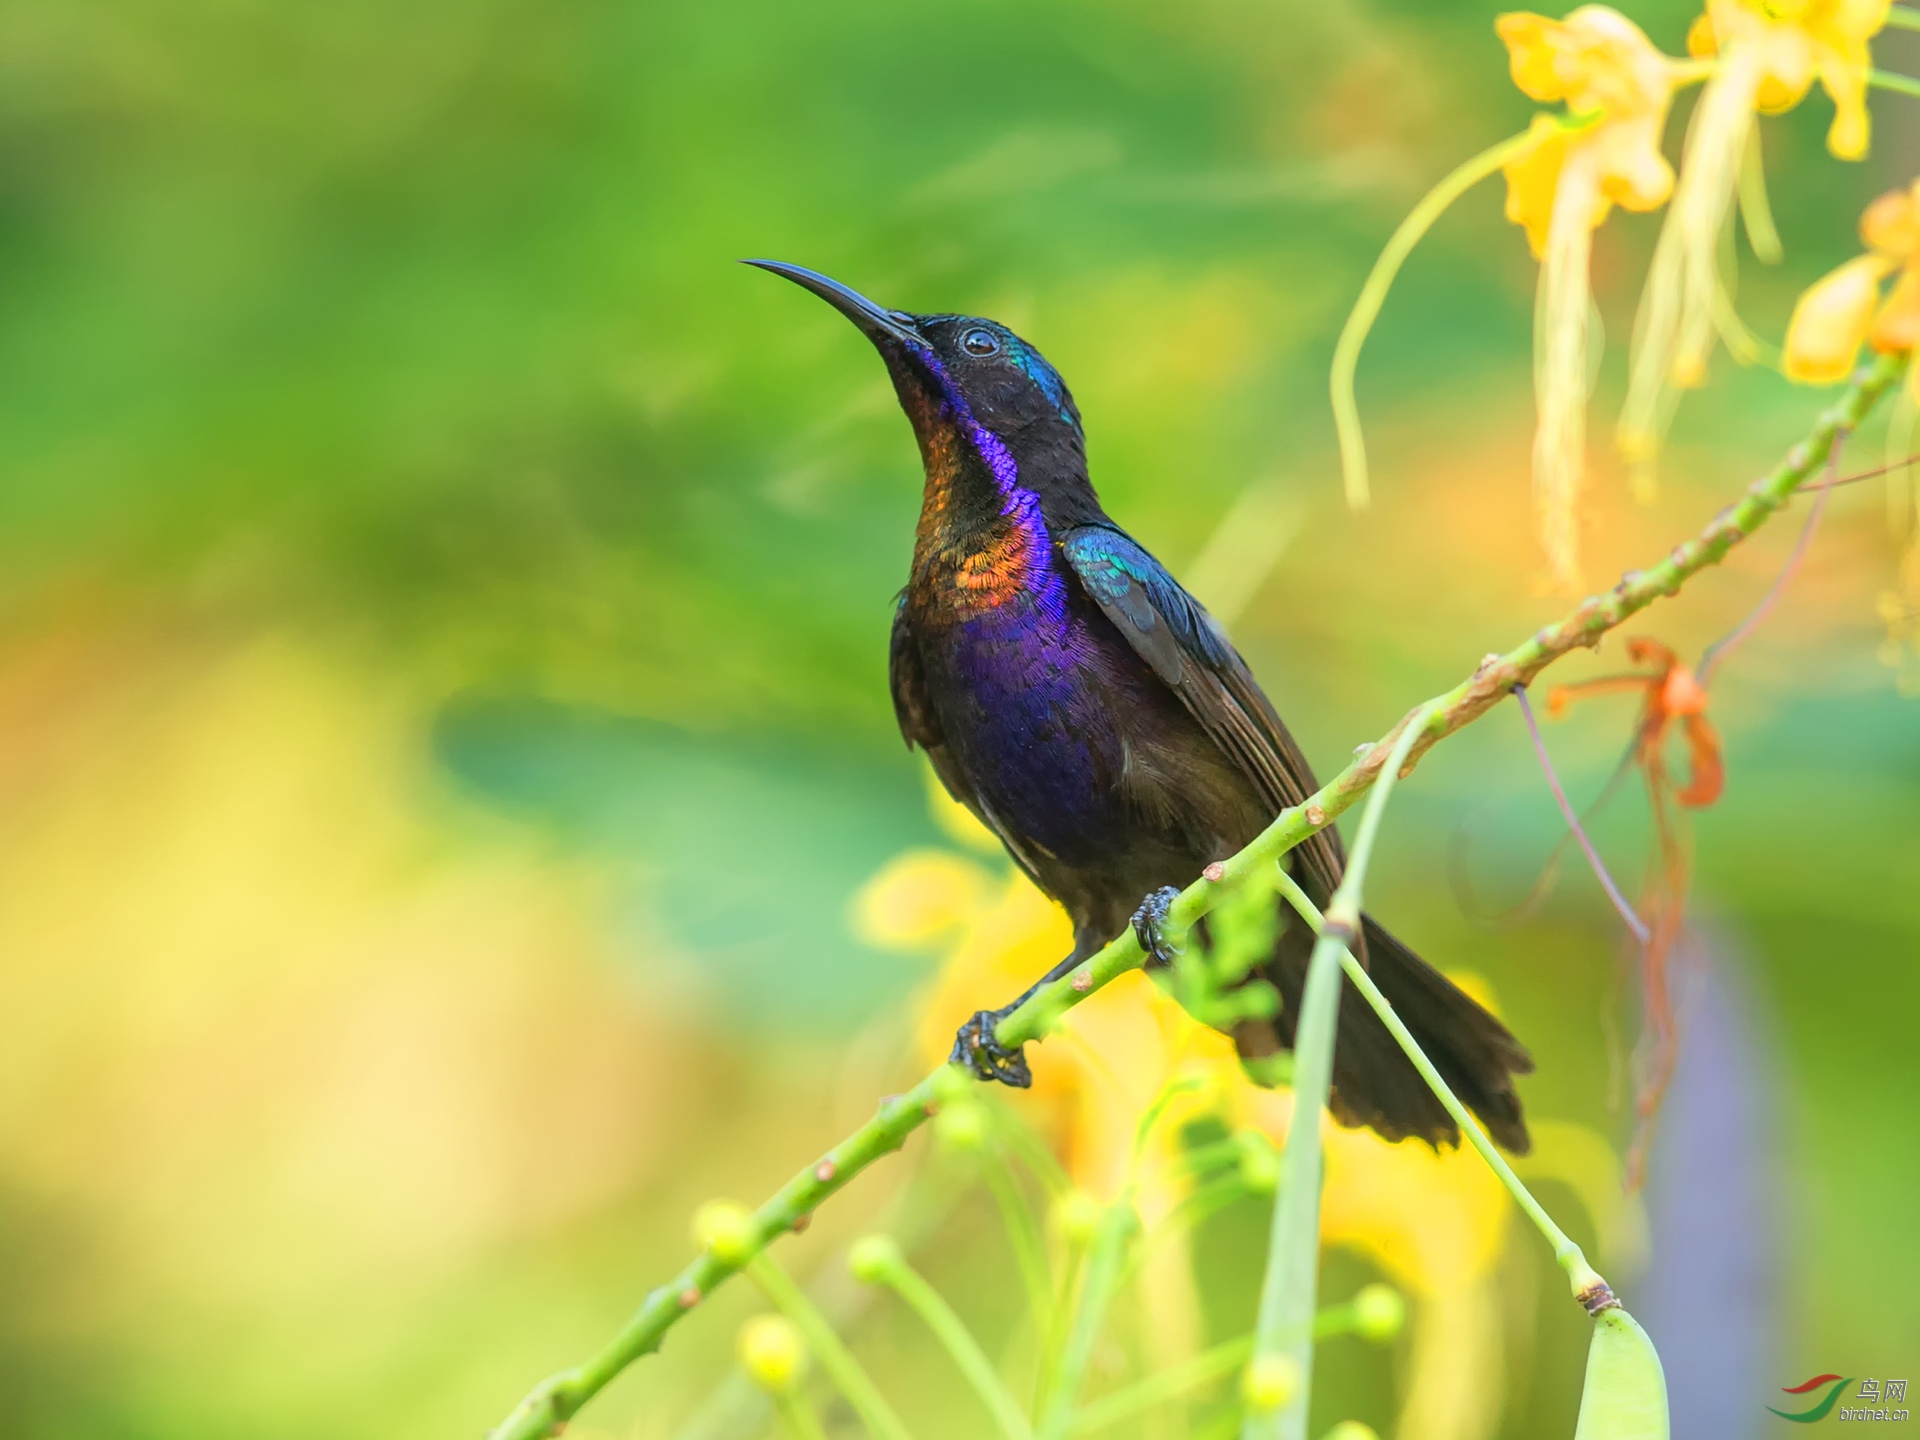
(1100, 723)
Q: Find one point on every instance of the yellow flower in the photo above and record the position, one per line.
(1767, 55)
(1845, 310)
(1832, 320)
(919, 899)
(1836, 316)
(1560, 188)
(1601, 64)
(1793, 42)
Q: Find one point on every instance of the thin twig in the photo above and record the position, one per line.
(1859, 475)
(1097, 1285)
(880, 1418)
(1724, 646)
(1173, 1382)
(559, 1397)
(972, 1362)
(1572, 1259)
(1899, 84)
(1633, 922)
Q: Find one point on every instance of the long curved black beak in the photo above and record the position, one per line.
(874, 321)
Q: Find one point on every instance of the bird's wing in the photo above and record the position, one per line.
(912, 707)
(1190, 652)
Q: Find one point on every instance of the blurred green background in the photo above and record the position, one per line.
(443, 604)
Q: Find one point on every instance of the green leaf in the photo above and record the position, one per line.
(1626, 1392)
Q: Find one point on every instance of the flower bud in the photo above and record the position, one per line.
(873, 1258)
(726, 1229)
(962, 1126)
(1269, 1382)
(1078, 1215)
(1379, 1313)
(772, 1353)
(1259, 1165)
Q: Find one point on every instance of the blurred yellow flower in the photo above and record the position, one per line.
(1560, 189)
(1766, 56)
(1601, 64)
(1793, 42)
(1432, 1222)
(919, 899)
(1845, 310)
(1837, 315)
(1832, 320)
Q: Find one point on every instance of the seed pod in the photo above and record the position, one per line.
(1626, 1391)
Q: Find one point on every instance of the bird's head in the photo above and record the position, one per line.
(957, 375)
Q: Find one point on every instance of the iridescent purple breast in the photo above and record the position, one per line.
(1007, 639)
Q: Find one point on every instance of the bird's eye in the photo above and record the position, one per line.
(980, 342)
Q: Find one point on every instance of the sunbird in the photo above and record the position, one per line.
(1098, 720)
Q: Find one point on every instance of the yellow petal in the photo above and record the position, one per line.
(1595, 59)
(1795, 40)
(918, 899)
(1843, 74)
(1892, 223)
(1529, 39)
(1633, 172)
(1897, 326)
(1847, 136)
(1832, 320)
(1532, 177)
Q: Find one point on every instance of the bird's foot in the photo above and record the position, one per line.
(1150, 923)
(974, 1046)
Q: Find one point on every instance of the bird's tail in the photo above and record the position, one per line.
(1374, 1084)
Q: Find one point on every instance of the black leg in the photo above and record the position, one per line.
(975, 1047)
(1149, 923)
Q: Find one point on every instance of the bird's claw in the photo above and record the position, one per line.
(1150, 923)
(975, 1047)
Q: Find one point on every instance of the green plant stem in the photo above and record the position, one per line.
(1097, 1284)
(967, 1355)
(1289, 1293)
(1373, 294)
(1032, 1151)
(1193, 1210)
(833, 1356)
(1073, 1260)
(559, 1397)
(1169, 1384)
(1572, 1259)
(1901, 18)
(1173, 1382)
(798, 1416)
(1029, 1247)
(1212, 1155)
(1899, 84)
